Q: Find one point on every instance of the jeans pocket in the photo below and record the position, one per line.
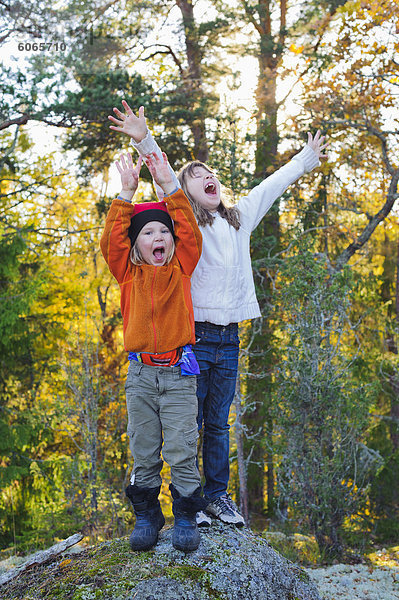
(200, 333)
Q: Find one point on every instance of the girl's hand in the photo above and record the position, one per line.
(160, 171)
(316, 143)
(135, 127)
(129, 173)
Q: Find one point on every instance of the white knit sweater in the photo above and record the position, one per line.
(222, 285)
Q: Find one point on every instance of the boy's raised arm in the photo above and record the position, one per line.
(187, 234)
(115, 243)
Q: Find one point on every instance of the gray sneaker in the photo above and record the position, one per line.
(225, 509)
(203, 520)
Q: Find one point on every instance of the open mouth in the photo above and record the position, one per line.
(159, 253)
(210, 188)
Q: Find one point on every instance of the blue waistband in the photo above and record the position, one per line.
(188, 363)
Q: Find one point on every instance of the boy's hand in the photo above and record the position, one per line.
(129, 175)
(135, 127)
(316, 143)
(160, 171)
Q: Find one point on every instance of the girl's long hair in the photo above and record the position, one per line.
(204, 217)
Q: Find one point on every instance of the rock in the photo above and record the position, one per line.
(230, 564)
(237, 565)
(41, 557)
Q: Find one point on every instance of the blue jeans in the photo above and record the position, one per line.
(216, 350)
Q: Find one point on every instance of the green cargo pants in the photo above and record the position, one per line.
(162, 408)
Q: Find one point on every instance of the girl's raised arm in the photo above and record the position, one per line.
(136, 128)
(317, 145)
(256, 204)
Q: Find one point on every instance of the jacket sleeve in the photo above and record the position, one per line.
(259, 200)
(147, 146)
(188, 236)
(115, 243)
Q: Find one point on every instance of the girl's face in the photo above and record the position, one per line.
(204, 188)
(155, 243)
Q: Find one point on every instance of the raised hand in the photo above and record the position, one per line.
(135, 127)
(316, 143)
(129, 173)
(160, 171)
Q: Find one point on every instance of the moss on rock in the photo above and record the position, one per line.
(230, 564)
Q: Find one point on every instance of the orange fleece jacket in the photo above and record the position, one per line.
(156, 302)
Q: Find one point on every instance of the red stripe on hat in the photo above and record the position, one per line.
(142, 206)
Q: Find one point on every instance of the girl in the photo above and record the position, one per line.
(223, 292)
(152, 250)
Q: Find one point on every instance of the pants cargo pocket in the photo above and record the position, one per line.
(190, 439)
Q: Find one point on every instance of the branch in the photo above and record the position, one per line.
(377, 76)
(17, 121)
(389, 418)
(39, 558)
(251, 17)
(381, 135)
(167, 51)
(10, 149)
(5, 36)
(64, 122)
(311, 53)
(390, 199)
(374, 221)
(349, 209)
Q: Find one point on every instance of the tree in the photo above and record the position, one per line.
(278, 32)
(50, 231)
(321, 410)
(383, 435)
(355, 95)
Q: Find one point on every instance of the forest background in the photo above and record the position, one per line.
(314, 436)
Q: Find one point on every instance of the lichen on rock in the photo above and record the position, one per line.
(230, 564)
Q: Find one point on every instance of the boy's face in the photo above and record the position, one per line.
(204, 187)
(155, 243)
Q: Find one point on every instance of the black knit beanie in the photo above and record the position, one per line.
(145, 212)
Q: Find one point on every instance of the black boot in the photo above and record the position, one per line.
(149, 517)
(186, 536)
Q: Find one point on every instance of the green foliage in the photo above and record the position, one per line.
(21, 282)
(86, 111)
(297, 548)
(18, 289)
(46, 481)
(325, 468)
(384, 499)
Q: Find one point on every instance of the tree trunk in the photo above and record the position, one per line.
(266, 241)
(242, 471)
(394, 379)
(192, 80)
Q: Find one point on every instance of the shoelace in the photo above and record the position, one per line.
(225, 501)
(231, 503)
